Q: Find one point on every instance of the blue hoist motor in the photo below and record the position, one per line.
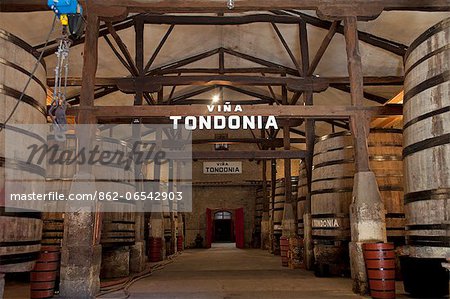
(70, 13)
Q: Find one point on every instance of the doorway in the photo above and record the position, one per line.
(223, 227)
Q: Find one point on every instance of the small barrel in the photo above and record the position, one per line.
(284, 248)
(332, 189)
(180, 246)
(426, 157)
(45, 272)
(155, 249)
(380, 264)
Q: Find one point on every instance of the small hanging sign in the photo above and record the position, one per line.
(222, 167)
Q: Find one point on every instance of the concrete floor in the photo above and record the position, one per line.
(226, 272)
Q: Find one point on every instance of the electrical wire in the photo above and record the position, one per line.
(31, 76)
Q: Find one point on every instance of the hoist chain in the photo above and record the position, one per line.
(58, 106)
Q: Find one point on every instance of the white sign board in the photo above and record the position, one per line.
(222, 167)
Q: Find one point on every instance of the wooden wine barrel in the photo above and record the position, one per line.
(20, 227)
(278, 206)
(332, 187)
(426, 157)
(118, 224)
(427, 139)
(279, 201)
(302, 192)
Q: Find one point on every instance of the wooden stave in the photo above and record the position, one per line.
(427, 143)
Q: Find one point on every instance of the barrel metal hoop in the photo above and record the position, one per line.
(441, 226)
(348, 133)
(21, 165)
(384, 144)
(23, 71)
(435, 194)
(426, 144)
(427, 84)
(426, 115)
(332, 190)
(20, 243)
(21, 44)
(10, 92)
(426, 57)
(330, 216)
(395, 215)
(375, 158)
(351, 177)
(18, 258)
(23, 131)
(19, 213)
(426, 35)
(434, 241)
(332, 238)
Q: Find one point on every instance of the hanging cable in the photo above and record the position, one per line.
(30, 76)
(58, 105)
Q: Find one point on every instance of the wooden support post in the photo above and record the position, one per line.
(273, 182)
(137, 251)
(265, 216)
(172, 206)
(157, 220)
(289, 223)
(139, 29)
(310, 140)
(367, 214)
(81, 251)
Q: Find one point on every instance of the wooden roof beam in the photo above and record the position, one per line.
(284, 111)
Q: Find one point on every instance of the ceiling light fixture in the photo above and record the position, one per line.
(216, 98)
(230, 4)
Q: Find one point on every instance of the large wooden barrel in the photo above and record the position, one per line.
(280, 198)
(21, 228)
(302, 192)
(426, 155)
(118, 224)
(332, 187)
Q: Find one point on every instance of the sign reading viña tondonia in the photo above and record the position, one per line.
(221, 122)
(222, 167)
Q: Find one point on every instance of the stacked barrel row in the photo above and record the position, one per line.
(277, 207)
(20, 226)
(332, 187)
(118, 222)
(426, 157)
(259, 205)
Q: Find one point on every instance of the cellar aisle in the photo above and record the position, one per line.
(227, 272)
